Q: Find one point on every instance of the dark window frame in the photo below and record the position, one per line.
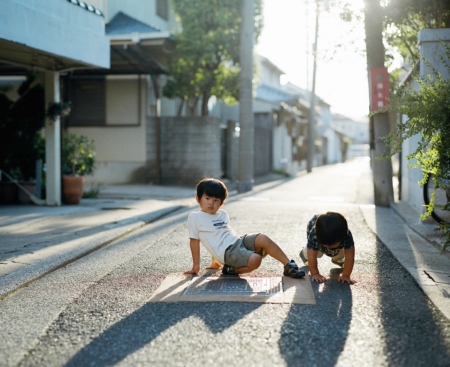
(162, 9)
(88, 98)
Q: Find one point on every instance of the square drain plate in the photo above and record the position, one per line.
(212, 288)
(236, 286)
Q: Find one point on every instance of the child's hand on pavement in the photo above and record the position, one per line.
(318, 278)
(346, 279)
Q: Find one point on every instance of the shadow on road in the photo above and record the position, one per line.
(141, 327)
(316, 335)
(414, 330)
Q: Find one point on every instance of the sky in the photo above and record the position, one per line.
(341, 77)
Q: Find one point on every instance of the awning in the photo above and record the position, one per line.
(136, 48)
(17, 59)
(51, 36)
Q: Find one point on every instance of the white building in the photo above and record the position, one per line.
(51, 37)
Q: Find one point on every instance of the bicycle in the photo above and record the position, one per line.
(442, 199)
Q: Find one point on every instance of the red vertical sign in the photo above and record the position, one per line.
(379, 88)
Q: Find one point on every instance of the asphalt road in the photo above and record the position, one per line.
(94, 312)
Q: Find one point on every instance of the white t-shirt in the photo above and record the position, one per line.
(214, 231)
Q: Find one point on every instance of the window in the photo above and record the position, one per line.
(123, 100)
(88, 101)
(162, 9)
(98, 101)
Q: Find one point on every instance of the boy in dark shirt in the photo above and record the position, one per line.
(329, 234)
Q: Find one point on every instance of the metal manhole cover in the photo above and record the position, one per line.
(235, 286)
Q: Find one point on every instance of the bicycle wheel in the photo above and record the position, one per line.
(442, 198)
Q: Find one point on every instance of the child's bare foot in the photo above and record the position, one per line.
(214, 265)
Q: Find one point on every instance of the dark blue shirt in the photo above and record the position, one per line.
(313, 243)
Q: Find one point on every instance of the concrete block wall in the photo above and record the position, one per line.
(232, 151)
(263, 137)
(152, 174)
(263, 144)
(190, 149)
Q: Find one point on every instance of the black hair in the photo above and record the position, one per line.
(212, 187)
(331, 228)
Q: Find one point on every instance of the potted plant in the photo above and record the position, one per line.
(78, 160)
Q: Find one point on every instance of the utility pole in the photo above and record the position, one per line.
(307, 44)
(382, 169)
(246, 119)
(312, 115)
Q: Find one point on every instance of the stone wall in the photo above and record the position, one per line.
(263, 144)
(190, 149)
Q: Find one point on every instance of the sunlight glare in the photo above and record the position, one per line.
(287, 39)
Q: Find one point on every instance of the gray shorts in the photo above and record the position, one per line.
(238, 253)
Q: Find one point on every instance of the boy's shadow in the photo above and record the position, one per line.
(316, 335)
(147, 323)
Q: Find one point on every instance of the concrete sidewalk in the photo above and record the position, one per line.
(37, 240)
(417, 247)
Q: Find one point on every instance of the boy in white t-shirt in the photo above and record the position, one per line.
(237, 254)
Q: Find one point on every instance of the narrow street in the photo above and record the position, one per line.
(94, 312)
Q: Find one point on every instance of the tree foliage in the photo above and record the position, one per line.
(404, 19)
(207, 51)
(427, 111)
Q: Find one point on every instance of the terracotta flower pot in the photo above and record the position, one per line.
(73, 189)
